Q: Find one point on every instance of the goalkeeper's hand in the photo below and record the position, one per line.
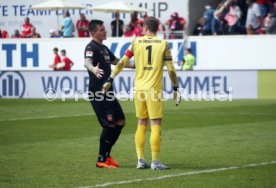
(107, 85)
(176, 95)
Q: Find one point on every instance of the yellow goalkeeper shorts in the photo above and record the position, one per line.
(148, 104)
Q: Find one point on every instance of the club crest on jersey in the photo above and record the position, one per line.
(89, 54)
(109, 117)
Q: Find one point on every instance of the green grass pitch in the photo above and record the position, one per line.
(55, 144)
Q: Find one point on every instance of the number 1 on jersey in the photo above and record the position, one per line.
(149, 48)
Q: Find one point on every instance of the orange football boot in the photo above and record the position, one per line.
(105, 165)
(112, 162)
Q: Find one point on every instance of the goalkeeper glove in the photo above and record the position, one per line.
(176, 95)
(107, 85)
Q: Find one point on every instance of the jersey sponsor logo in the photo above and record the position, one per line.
(89, 54)
(107, 58)
(106, 55)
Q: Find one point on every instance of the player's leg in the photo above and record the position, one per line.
(107, 134)
(142, 116)
(156, 110)
(119, 119)
(155, 138)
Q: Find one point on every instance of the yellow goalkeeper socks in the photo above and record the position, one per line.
(140, 140)
(155, 141)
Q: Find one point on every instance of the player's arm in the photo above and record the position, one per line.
(118, 68)
(128, 65)
(183, 62)
(172, 74)
(88, 64)
(170, 66)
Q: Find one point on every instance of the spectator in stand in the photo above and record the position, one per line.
(271, 29)
(129, 31)
(208, 16)
(67, 26)
(66, 63)
(217, 22)
(82, 26)
(233, 18)
(174, 26)
(27, 28)
(270, 5)
(117, 30)
(243, 6)
(138, 29)
(35, 34)
(134, 19)
(266, 21)
(263, 6)
(53, 34)
(4, 34)
(198, 31)
(57, 60)
(254, 18)
(16, 34)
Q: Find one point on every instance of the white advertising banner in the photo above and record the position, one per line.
(201, 85)
(235, 52)
(13, 12)
(38, 54)
(211, 53)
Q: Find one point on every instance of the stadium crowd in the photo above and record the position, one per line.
(228, 18)
(238, 17)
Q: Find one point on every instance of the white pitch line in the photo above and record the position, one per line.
(45, 117)
(181, 174)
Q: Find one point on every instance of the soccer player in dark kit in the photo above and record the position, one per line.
(98, 60)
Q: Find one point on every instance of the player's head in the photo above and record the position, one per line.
(63, 52)
(188, 50)
(97, 30)
(27, 20)
(151, 25)
(55, 50)
(82, 16)
(66, 14)
(117, 15)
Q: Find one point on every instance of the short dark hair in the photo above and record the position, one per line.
(189, 50)
(67, 13)
(93, 25)
(152, 24)
(63, 51)
(55, 49)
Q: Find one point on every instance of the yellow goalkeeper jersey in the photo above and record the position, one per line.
(150, 53)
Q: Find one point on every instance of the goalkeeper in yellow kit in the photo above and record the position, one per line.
(149, 53)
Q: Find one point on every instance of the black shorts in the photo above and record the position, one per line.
(108, 112)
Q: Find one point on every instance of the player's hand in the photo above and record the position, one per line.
(107, 85)
(97, 71)
(176, 95)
